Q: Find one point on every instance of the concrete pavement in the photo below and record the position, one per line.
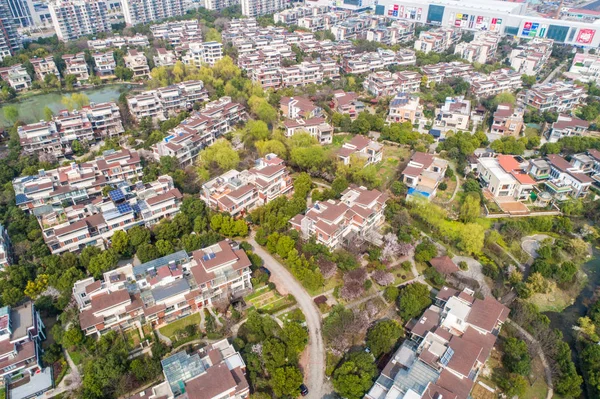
(315, 373)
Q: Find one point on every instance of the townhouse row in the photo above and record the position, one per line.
(199, 131)
(55, 137)
(162, 290)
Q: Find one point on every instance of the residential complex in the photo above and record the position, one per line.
(105, 64)
(239, 192)
(55, 137)
(347, 103)
(423, 174)
(75, 65)
(530, 58)
(437, 40)
(405, 108)
(454, 114)
(138, 40)
(384, 83)
(356, 216)
(215, 371)
(218, 5)
(21, 333)
(10, 41)
(16, 76)
(178, 33)
(481, 49)
(165, 101)
(299, 107)
(445, 71)
(585, 68)
(199, 131)
(44, 66)
(145, 11)
(369, 62)
(504, 177)
(570, 178)
(557, 96)
(199, 53)
(499, 81)
(137, 62)
(256, 8)
(446, 350)
(164, 57)
(507, 121)
(361, 147)
(75, 18)
(566, 126)
(316, 127)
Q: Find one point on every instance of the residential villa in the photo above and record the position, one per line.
(446, 349)
(45, 66)
(454, 114)
(363, 148)
(16, 76)
(567, 126)
(316, 127)
(299, 107)
(239, 192)
(347, 103)
(333, 223)
(504, 178)
(423, 174)
(76, 65)
(5, 249)
(405, 108)
(138, 63)
(507, 121)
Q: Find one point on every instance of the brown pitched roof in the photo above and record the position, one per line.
(444, 265)
(485, 313)
(217, 380)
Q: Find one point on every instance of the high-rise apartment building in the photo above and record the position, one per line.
(75, 18)
(22, 11)
(144, 11)
(255, 8)
(9, 39)
(218, 5)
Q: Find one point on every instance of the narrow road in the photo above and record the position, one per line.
(536, 345)
(315, 375)
(70, 382)
(457, 185)
(554, 72)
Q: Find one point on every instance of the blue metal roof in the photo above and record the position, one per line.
(156, 263)
(21, 199)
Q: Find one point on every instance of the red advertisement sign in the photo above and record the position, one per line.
(585, 36)
(395, 7)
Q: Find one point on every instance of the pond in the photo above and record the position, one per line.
(31, 109)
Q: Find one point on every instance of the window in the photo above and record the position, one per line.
(68, 242)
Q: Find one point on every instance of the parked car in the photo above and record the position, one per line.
(303, 389)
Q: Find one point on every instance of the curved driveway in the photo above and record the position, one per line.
(315, 373)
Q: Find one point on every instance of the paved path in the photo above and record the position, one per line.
(538, 349)
(473, 272)
(554, 72)
(315, 375)
(457, 185)
(70, 382)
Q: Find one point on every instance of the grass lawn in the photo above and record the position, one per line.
(147, 328)
(267, 300)
(402, 276)
(339, 139)
(133, 337)
(538, 388)
(293, 315)
(76, 357)
(555, 301)
(170, 329)
(392, 158)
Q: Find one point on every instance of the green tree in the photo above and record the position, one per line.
(120, 242)
(516, 357)
(213, 35)
(353, 378)
(470, 208)
(103, 262)
(87, 254)
(412, 300)
(390, 293)
(295, 337)
(382, 337)
(147, 252)
(425, 251)
(139, 235)
(73, 337)
(48, 114)
(220, 154)
(11, 113)
(286, 381)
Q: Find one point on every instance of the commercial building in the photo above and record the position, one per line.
(10, 41)
(356, 216)
(255, 8)
(199, 131)
(446, 350)
(530, 57)
(347, 103)
(384, 83)
(405, 108)
(503, 17)
(137, 62)
(5, 248)
(162, 290)
(481, 49)
(239, 192)
(557, 96)
(16, 76)
(507, 121)
(44, 66)
(145, 11)
(363, 148)
(75, 18)
(21, 333)
(454, 114)
(423, 174)
(504, 177)
(437, 40)
(567, 126)
(76, 65)
(215, 371)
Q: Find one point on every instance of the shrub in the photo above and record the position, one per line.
(390, 293)
(320, 299)
(443, 186)
(463, 265)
